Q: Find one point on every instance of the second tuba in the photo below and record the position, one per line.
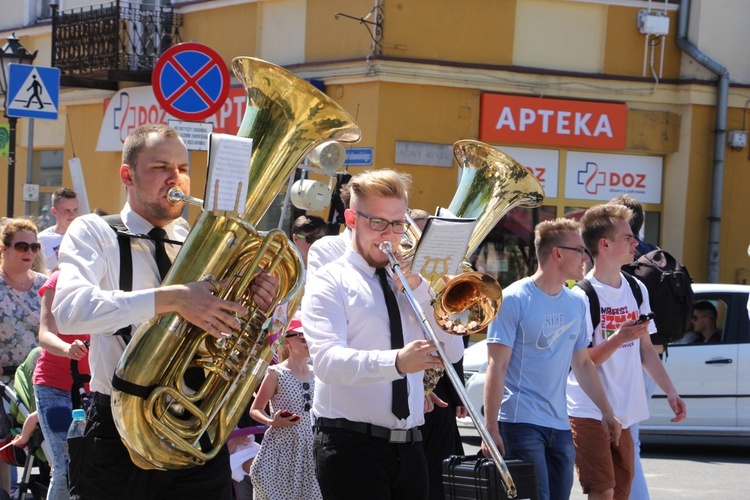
(164, 424)
(492, 183)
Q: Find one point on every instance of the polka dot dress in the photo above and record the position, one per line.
(284, 468)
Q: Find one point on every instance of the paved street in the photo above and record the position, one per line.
(680, 472)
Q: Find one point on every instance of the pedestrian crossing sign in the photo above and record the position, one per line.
(33, 92)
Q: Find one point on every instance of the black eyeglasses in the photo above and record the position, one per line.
(306, 396)
(309, 238)
(23, 247)
(377, 224)
(300, 335)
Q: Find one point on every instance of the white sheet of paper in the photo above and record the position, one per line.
(229, 163)
(442, 247)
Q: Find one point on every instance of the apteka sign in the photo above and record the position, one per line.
(552, 122)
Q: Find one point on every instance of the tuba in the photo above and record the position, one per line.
(492, 183)
(163, 424)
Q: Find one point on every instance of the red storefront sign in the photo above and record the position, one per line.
(552, 122)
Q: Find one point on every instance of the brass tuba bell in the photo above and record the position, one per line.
(492, 183)
(163, 424)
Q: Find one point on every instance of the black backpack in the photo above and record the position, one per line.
(671, 296)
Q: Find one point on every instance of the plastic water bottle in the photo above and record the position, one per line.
(78, 424)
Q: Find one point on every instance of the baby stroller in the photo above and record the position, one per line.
(17, 402)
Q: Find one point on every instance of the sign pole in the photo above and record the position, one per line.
(29, 161)
(11, 164)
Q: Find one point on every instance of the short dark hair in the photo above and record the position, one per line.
(63, 193)
(704, 305)
(307, 224)
(637, 219)
(136, 140)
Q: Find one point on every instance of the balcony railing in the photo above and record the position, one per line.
(99, 45)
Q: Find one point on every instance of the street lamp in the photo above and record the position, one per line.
(13, 52)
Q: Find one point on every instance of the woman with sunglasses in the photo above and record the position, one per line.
(19, 292)
(20, 303)
(284, 468)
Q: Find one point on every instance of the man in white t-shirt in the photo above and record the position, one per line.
(65, 210)
(621, 347)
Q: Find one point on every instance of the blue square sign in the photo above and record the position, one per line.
(33, 91)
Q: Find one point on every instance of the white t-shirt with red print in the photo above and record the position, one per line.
(622, 373)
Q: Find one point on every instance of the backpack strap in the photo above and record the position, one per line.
(637, 293)
(594, 308)
(126, 264)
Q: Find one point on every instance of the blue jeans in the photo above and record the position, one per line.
(639, 488)
(55, 412)
(550, 450)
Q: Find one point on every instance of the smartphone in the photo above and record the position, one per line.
(287, 413)
(644, 317)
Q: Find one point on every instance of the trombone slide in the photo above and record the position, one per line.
(510, 487)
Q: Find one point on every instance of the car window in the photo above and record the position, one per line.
(710, 322)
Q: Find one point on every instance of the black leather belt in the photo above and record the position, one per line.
(102, 399)
(390, 435)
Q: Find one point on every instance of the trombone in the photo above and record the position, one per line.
(510, 487)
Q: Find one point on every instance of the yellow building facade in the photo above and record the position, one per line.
(418, 75)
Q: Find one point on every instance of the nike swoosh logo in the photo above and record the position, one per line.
(545, 340)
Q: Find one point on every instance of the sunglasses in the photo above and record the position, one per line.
(309, 238)
(301, 337)
(23, 247)
(306, 395)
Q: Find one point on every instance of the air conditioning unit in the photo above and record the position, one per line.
(653, 23)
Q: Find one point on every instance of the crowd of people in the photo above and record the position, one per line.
(345, 405)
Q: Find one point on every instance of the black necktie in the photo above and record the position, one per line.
(400, 398)
(163, 261)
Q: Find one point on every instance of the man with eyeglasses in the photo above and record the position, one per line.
(369, 395)
(306, 230)
(537, 338)
(621, 348)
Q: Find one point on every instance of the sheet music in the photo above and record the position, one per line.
(442, 247)
(229, 163)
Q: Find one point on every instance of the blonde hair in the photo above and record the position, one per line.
(550, 233)
(385, 182)
(599, 222)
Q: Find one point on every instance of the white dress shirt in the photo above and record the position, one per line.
(347, 328)
(88, 298)
(327, 249)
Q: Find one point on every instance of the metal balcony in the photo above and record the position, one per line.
(100, 45)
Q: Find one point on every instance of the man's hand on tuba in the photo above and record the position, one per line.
(196, 303)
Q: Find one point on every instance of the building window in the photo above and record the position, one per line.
(508, 253)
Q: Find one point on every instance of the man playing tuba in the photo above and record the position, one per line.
(89, 300)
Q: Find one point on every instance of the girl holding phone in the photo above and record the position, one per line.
(284, 468)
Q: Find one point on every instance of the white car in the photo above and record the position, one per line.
(713, 379)
(475, 369)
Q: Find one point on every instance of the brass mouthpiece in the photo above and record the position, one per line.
(175, 195)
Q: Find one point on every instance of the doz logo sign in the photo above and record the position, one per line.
(599, 176)
(593, 178)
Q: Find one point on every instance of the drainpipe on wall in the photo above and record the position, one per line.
(722, 97)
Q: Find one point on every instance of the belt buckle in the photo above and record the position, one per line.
(398, 435)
